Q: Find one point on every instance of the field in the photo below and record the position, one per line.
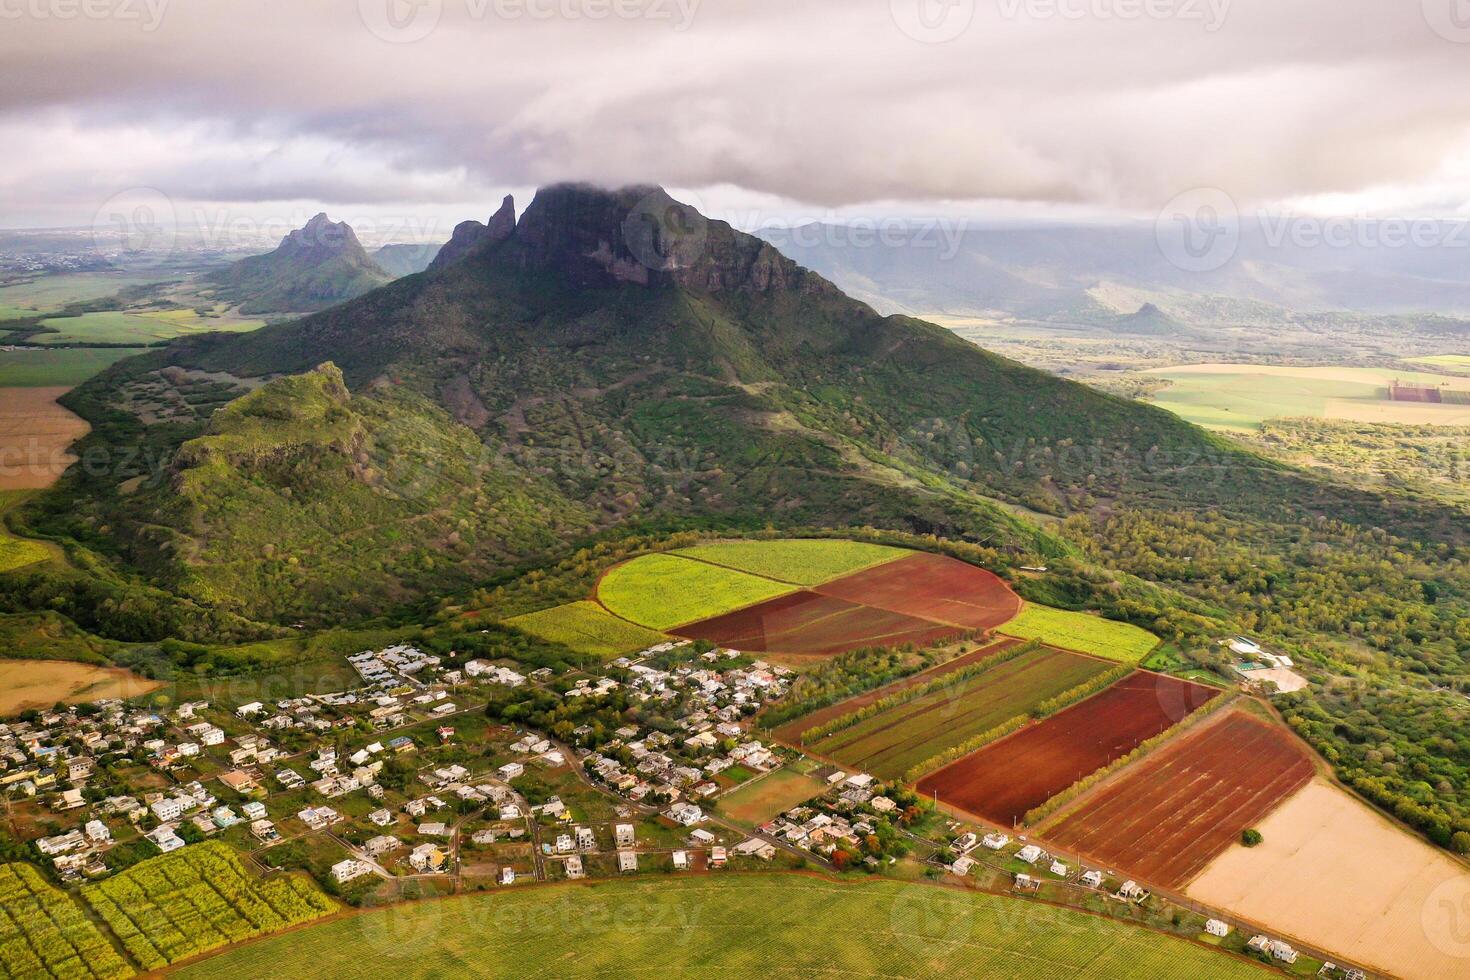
(1122, 642)
(587, 628)
(1242, 396)
(807, 623)
(34, 435)
(118, 327)
(800, 561)
(1004, 780)
(1172, 813)
(663, 591)
(767, 925)
(891, 742)
(1333, 872)
(758, 800)
(1454, 362)
(932, 587)
(54, 292)
(178, 905)
(791, 731)
(44, 934)
(42, 683)
(57, 368)
(17, 552)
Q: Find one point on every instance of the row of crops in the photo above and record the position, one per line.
(44, 934)
(182, 904)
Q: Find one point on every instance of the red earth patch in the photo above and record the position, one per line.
(807, 623)
(1005, 780)
(933, 587)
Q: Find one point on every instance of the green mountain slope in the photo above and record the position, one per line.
(315, 266)
(613, 358)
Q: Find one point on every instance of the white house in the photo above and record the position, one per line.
(1092, 879)
(1030, 853)
(250, 710)
(346, 870)
(627, 861)
(511, 770)
(573, 867)
(962, 866)
(681, 860)
(624, 834)
(1217, 928)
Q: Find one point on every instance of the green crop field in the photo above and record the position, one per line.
(662, 591)
(1242, 396)
(721, 927)
(1455, 362)
(44, 934)
(1123, 642)
(890, 742)
(801, 561)
(182, 904)
(17, 552)
(54, 292)
(587, 628)
(117, 327)
(57, 368)
(759, 799)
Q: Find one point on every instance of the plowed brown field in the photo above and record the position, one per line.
(1169, 816)
(1004, 780)
(933, 587)
(807, 623)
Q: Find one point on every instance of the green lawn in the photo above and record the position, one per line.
(801, 561)
(663, 591)
(587, 628)
(1125, 643)
(57, 368)
(722, 927)
(889, 743)
(763, 797)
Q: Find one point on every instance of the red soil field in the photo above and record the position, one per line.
(1004, 780)
(932, 587)
(791, 731)
(807, 623)
(1168, 817)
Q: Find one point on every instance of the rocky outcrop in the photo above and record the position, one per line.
(469, 237)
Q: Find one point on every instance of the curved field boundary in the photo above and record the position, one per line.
(791, 732)
(801, 561)
(1083, 632)
(1005, 780)
(662, 591)
(807, 623)
(934, 587)
(726, 926)
(1170, 815)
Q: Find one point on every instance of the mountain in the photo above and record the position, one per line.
(471, 235)
(611, 360)
(315, 266)
(399, 260)
(1090, 274)
(1149, 321)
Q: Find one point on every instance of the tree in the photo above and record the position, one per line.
(1460, 841)
(1250, 837)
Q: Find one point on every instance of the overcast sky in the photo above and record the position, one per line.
(427, 111)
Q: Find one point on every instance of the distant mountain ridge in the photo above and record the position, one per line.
(612, 359)
(315, 266)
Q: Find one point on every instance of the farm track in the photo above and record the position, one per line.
(1167, 818)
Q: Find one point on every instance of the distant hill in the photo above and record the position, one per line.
(612, 359)
(401, 260)
(315, 266)
(1150, 321)
(1090, 274)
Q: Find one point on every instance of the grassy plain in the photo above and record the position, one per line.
(1242, 396)
(1455, 362)
(661, 591)
(1121, 642)
(54, 292)
(759, 799)
(57, 368)
(587, 628)
(745, 925)
(889, 743)
(806, 561)
(118, 327)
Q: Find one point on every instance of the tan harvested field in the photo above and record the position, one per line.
(41, 683)
(34, 435)
(1333, 872)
